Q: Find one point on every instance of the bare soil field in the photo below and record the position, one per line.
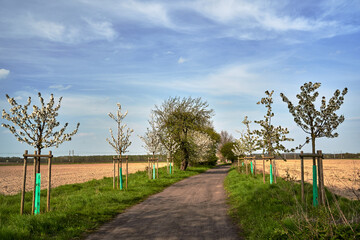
(341, 176)
(11, 176)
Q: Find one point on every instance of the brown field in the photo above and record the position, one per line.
(341, 176)
(11, 176)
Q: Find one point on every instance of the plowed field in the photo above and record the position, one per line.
(11, 176)
(342, 176)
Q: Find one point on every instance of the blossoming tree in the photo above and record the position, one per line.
(169, 144)
(152, 142)
(317, 123)
(250, 141)
(203, 143)
(121, 142)
(37, 128)
(271, 136)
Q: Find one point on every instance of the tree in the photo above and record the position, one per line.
(37, 129)
(225, 137)
(122, 141)
(250, 140)
(239, 147)
(152, 138)
(316, 123)
(178, 117)
(203, 143)
(227, 151)
(270, 136)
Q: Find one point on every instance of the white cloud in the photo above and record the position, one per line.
(256, 20)
(4, 73)
(182, 60)
(102, 29)
(60, 87)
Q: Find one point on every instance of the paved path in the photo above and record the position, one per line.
(194, 208)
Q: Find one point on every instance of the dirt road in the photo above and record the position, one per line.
(194, 208)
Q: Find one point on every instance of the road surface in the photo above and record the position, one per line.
(194, 208)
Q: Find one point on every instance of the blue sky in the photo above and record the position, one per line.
(138, 53)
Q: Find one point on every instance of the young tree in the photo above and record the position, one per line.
(38, 128)
(179, 117)
(152, 138)
(270, 136)
(122, 141)
(317, 123)
(250, 140)
(239, 147)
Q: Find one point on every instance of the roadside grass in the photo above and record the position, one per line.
(78, 209)
(265, 211)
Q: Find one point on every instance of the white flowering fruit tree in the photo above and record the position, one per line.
(121, 142)
(317, 123)
(38, 127)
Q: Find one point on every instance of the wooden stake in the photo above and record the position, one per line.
(23, 185)
(118, 173)
(49, 182)
(302, 177)
(114, 173)
(157, 168)
(246, 165)
(127, 172)
(254, 167)
(274, 171)
(33, 200)
(263, 168)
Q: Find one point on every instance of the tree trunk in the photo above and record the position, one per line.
(184, 164)
(185, 161)
(38, 161)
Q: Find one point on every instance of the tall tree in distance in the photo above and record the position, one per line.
(37, 128)
(178, 117)
(317, 123)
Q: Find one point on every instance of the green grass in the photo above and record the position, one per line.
(78, 209)
(265, 211)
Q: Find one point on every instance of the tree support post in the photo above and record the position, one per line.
(23, 184)
(263, 168)
(33, 200)
(49, 182)
(302, 177)
(127, 172)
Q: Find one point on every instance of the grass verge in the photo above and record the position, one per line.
(265, 211)
(77, 209)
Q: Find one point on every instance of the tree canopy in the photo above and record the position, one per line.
(178, 117)
(316, 123)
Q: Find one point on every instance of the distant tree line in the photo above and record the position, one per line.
(80, 159)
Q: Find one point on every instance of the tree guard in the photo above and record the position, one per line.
(37, 183)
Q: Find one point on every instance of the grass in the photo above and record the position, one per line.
(266, 211)
(78, 209)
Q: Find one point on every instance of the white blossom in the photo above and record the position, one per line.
(36, 128)
(121, 142)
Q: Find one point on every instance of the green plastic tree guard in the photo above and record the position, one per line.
(315, 191)
(252, 168)
(170, 168)
(154, 171)
(121, 179)
(271, 175)
(37, 194)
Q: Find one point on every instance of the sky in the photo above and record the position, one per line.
(96, 54)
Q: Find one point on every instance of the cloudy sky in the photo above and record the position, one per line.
(138, 53)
